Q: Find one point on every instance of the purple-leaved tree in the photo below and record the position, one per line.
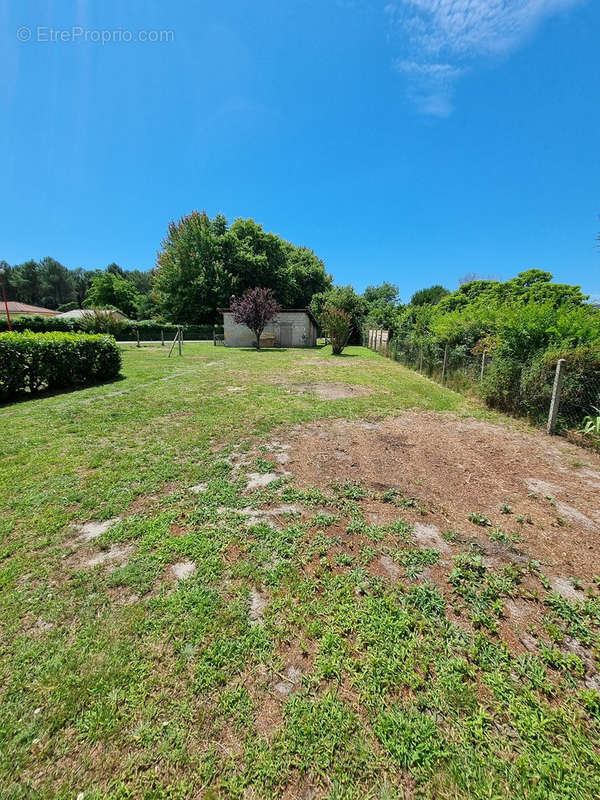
(256, 308)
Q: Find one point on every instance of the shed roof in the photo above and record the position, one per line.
(78, 313)
(15, 307)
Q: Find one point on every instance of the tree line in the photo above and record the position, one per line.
(201, 264)
(50, 284)
(524, 324)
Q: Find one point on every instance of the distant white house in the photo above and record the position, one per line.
(292, 327)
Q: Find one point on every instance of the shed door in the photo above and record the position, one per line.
(285, 336)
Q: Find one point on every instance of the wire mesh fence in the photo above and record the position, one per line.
(578, 405)
(456, 367)
(564, 401)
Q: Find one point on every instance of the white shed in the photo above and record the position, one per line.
(292, 327)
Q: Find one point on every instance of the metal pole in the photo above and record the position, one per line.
(5, 300)
(180, 332)
(482, 365)
(444, 365)
(555, 402)
(137, 335)
(162, 337)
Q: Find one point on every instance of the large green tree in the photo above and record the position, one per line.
(191, 278)
(203, 262)
(26, 283)
(56, 283)
(429, 296)
(109, 290)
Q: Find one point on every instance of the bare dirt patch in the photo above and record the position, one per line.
(116, 555)
(182, 570)
(335, 361)
(258, 480)
(389, 567)
(92, 530)
(276, 517)
(430, 536)
(257, 606)
(329, 391)
(455, 467)
(290, 680)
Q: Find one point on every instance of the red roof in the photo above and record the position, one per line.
(16, 308)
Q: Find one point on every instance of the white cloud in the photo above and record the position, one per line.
(442, 37)
(430, 85)
(424, 70)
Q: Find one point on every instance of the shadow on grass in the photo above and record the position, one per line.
(25, 397)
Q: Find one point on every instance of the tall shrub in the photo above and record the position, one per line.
(337, 324)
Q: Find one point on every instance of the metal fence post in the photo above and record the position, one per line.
(162, 337)
(445, 361)
(137, 335)
(555, 402)
(482, 365)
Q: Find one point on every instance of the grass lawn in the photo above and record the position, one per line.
(217, 642)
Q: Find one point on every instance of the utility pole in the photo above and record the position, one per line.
(4, 298)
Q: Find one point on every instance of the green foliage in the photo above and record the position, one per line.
(149, 330)
(410, 737)
(108, 290)
(580, 388)
(104, 321)
(429, 296)
(35, 361)
(336, 324)
(343, 298)
(591, 423)
(203, 262)
(386, 293)
(524, 324)
(50, 284)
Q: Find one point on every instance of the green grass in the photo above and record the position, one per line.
(122, 684)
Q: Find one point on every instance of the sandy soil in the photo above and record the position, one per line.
(454, 467)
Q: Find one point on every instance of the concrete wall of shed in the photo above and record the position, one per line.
(304, 331)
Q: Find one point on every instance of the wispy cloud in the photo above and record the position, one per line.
(442, 39)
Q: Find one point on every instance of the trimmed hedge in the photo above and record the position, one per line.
(149, 329)
(31, 362)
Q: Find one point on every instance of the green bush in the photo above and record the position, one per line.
(30, 362)
(149, 330)
(580, 390)
(501, 385)
(37, 324)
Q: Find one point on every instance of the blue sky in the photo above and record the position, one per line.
(412, 142)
